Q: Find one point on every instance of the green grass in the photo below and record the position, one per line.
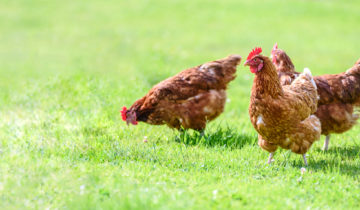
(67, 67)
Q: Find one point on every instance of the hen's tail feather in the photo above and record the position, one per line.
(308, 73)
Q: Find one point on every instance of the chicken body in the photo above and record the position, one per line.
(189, 99)
(339, 93)
(283, 115)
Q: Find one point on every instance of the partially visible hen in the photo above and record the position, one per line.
(282, 115)
(339, 93)
(187, 100)
(357, 62)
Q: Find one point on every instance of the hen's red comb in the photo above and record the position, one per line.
(275, 47)
(255, 51)
(123, 113)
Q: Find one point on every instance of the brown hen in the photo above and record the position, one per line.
(187, 100)
(282, 115)
(339, 93)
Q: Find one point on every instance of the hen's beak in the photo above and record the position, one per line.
(246, 63)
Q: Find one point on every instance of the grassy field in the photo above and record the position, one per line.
(67, 67)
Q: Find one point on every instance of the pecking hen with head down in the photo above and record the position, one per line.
(187, 100)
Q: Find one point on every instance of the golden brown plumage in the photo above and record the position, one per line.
(336, 118)
(187, 100)
(282, 115)
(338, 94)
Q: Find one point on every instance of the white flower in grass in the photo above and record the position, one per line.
(303, 170)
(215, 192)
(82, 189)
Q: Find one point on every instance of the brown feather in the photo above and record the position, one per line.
(189, 99)
(282, 115)
(339, 93)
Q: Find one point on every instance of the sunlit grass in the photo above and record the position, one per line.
(67, 67)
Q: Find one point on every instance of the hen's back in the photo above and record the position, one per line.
(192, 97)
(213, 75)
(340, 88)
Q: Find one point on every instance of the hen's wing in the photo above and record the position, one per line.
(302, 94)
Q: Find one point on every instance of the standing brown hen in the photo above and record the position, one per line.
(282, 115)
(187, 100)
(339, 93)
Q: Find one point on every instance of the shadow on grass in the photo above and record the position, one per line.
(336, 166)
(341, 161)
(349, 152)
(225, 137)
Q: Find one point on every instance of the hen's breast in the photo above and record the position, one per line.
(273, 119)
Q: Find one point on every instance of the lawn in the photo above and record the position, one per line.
(67, 68)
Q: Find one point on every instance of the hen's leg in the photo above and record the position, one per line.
(305, 161)
(270, 157)
(326, 143)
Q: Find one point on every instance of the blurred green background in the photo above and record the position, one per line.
(67, 67)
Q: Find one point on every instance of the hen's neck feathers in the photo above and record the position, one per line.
(286, 64)
(137, 105)
(266, 82)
